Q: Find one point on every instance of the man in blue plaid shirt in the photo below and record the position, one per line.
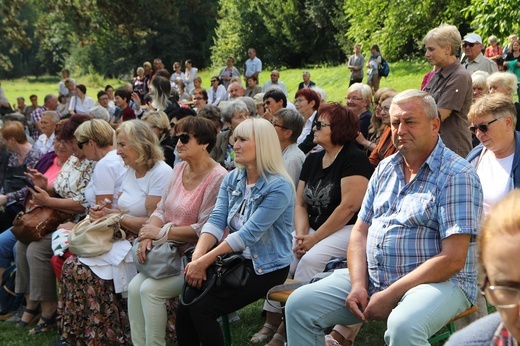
(411, 255)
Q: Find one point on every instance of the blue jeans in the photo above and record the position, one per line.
(422, 311)
(7, 249)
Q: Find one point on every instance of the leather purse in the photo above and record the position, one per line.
(37, 222)
(228, 270)
(93, 238)
(163, 260)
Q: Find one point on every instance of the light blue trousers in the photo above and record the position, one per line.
(422, 311)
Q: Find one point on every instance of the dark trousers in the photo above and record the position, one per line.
(197, 324)
(355, 80)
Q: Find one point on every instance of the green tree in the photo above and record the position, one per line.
(12, 31)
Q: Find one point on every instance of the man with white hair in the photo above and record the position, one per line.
(473, 59)
(275, 81)
(236, 90)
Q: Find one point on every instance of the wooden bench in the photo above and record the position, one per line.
(282, 297)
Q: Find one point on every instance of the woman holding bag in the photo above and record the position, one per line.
(35, 277)
(256, 203)
(184, 208)
(94, 310)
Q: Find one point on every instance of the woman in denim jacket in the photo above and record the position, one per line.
(256, 203)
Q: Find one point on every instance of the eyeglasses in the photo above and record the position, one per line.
(320, 124)
(278, 125)
(183, 137)
(482, 127)
(213, 81)
(353, 98)
(299, 100)
(465, 44)
(80, 144)
(197, 98)
(501, 296)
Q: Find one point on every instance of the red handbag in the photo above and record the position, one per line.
(37, 222)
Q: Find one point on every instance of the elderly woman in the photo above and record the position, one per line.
(200, 98)
(504, 83)
(494, 52)
(330, 191)
(35, 277)
(307, 102)
(480, 87)
(217, 92)
(499, 255)
(213, 114)
(252, 86)
(233, 113)
(80, 102)
(289, 124)
(195, 183)
(256, 203)
(228, 72)
(497, 159)
(139, 83)
(160, 125)
(99, 112)
(94, 309)
(359, 97)
(22, 155)
(450, 87)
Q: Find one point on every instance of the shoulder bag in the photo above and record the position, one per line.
(163, 260)
(93, 238)
(37, 222)
(228, 270)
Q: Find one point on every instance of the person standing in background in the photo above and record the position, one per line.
(355, 65)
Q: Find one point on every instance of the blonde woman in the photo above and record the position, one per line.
(160, 125)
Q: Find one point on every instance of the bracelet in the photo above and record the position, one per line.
(368, 145)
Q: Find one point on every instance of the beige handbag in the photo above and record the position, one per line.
(93, 238)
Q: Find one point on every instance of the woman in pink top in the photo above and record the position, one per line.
(184, 208)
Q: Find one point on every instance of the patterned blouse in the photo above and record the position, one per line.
(30, 160)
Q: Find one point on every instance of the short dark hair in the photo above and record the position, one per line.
(344, 125)
(253, 77)
(82, 87)
(202, 92)
(69, 127)
(276, 95)
(212, 113)
(309, 95)
(124, 94)
(203, 129)
(101, 93)
(108, 87)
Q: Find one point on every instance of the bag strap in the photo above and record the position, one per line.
(209, 286)
(162, 236)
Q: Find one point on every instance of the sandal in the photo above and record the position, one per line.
(35, 313)
(47, 324)
(262, 338)
(277, 338)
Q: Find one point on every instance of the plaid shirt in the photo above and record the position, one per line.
(409, 221)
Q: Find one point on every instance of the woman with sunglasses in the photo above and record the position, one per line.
(499, 255)
(331, 188)
(256, 204)
(185, 206)
(35, 277)
(217, 92)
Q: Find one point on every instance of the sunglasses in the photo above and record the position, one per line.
(80, 144)
(183, 137)
(465, 44)
(482, 127)
(320, 124)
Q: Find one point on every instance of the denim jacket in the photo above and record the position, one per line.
(269, 214)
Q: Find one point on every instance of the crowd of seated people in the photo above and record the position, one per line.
(291, 181)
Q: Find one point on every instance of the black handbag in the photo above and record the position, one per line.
(228, 270)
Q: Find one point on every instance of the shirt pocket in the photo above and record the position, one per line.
(418, 209)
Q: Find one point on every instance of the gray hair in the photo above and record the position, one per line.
(444, 35)
(509, 81)
(364, 90)
(231, 108)
(292, 120)
(251, 105)
(429, 105)
(54, 116)
(98, 112)
(321, 92)
(479, 79)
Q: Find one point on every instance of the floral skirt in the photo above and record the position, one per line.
(90, 310)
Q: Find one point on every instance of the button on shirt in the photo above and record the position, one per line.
(409, 221)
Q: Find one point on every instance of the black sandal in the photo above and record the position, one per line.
(47, 324)
(34, 312)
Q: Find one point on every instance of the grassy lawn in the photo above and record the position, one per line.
(334, 80)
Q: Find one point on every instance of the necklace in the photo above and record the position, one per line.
(327, 164)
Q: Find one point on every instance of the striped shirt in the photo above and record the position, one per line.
(409, 221)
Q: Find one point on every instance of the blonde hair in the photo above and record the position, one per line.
(142, 139)
(497, 105)
(98, 130)
(509, 81)
(502, 220)
(444, 35)
(268, 149)
(479, 80)
(159, 119)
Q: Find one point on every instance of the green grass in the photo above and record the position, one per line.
(333, 79)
